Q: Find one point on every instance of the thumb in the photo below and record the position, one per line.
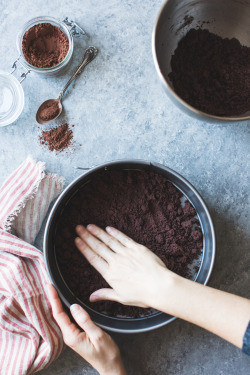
(82, 318)
(104, 294)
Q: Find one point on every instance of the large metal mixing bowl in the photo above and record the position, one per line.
(226, 18)
(127, 325)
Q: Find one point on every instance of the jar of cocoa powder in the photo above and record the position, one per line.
(46, 45)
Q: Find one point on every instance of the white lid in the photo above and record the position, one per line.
(11, 99)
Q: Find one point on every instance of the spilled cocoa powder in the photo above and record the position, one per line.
(212, 74)
(57, 139)
(145, 206)
(44, 45)
(49, 111)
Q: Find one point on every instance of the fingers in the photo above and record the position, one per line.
(92, 257)
(124, 240)
(71, 334)
(54, 299)
(68, 328)
(82, 318)
(93, 243)
(104, 294)
(110, 241)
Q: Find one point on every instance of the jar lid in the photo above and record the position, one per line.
(11, 99)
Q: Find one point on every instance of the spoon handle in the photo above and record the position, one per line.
(89, 55)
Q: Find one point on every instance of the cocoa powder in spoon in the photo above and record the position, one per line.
(50, 111)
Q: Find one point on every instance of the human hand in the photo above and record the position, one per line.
(94, 345)
(132, 270)
(138, 277)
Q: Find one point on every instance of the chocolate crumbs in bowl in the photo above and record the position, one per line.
(57, 139)
(211, 73)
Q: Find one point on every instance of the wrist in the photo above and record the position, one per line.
(115, 368)
(115, 371)
(166, 286)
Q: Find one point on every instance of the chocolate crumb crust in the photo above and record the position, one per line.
(145, 206)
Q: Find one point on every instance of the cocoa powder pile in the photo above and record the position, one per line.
(57, 139)
(212, 74)
(143, 205)
(44, 45)
(49, 111)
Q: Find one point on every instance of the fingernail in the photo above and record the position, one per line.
(90, 227)
(48, 286)
(80, 228)
(108, 229)
(93, 298)
(75, 308)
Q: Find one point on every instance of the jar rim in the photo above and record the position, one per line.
(45, 19)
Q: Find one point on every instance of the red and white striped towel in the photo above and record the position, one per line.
(29, 337)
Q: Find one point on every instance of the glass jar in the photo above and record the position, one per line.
(11, 98)
(11, 91)
(69, 28)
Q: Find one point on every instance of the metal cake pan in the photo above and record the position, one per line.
(128, 325)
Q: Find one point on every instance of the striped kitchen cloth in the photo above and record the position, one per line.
(29, 337)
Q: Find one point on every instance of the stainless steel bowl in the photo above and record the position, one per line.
(128, 325)
(227, 18)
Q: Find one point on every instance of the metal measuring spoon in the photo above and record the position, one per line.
(55, 104)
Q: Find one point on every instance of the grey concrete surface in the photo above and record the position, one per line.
(119, 111)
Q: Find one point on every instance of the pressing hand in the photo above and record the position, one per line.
(138, 277)
(132, 270)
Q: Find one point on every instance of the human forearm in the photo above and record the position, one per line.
(120, 370)
(221, 313)
(138, 277)
(115, 367)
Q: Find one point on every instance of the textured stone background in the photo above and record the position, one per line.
(119, 111)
